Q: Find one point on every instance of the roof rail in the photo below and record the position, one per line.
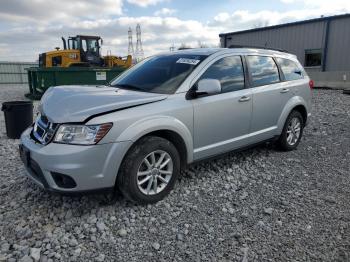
(184, 48)
(259, 47)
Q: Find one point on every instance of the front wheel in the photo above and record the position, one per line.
(149, 170)
(292, 132)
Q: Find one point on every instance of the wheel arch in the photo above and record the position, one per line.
(295, 103)
(302, 110)
(175, 139)
(166, 127)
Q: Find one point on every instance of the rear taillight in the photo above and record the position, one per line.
(311, 84)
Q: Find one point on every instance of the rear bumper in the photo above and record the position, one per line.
(92, 168)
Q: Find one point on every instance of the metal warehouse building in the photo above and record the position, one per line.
(322, 46)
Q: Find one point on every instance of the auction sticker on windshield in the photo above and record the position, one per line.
(188, 61)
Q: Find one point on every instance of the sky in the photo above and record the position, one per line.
(28, 28)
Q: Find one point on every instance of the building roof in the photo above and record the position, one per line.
(320, 19)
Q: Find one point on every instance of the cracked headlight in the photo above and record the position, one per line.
(81, 134)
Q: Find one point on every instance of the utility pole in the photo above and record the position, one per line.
(139, 51)
(131, 45)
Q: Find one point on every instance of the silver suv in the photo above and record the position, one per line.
(166, 112)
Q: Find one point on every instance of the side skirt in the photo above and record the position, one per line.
(220, 155)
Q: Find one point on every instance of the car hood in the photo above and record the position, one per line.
(63, 104)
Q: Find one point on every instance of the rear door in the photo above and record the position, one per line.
(222, 120)
(270, 95)
(293, 76)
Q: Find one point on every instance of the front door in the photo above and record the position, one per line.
(221, 121)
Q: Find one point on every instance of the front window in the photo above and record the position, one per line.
(159, 74)
(229, 71)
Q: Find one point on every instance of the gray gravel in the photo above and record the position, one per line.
(260, 204)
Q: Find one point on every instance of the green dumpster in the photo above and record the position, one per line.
(40, 79)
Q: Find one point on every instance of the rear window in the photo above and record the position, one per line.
(290, 69)
(263, 70)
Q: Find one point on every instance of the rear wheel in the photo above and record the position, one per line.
(149, 170)
(292, 132)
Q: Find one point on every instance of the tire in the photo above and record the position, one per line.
(284, 142)
(139, 166)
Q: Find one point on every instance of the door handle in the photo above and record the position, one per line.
(284, 90)
(244, 99)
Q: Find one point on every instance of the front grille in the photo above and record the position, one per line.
(44, 130)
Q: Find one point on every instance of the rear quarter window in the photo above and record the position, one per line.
(290, 69)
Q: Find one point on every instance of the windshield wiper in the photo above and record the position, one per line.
(130, 87)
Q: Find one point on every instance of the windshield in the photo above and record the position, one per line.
(159, 74)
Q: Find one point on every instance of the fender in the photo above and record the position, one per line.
(293, 102)
(157, 123)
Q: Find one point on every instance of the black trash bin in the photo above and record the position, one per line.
(18, 116)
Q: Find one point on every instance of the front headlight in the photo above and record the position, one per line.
(81, 134)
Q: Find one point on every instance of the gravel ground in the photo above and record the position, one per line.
(257, 205)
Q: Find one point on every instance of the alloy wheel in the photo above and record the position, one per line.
(154, 172)
(293, 131)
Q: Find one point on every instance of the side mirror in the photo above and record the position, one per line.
(208, 87)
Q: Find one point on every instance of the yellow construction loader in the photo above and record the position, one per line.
(82, 51)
